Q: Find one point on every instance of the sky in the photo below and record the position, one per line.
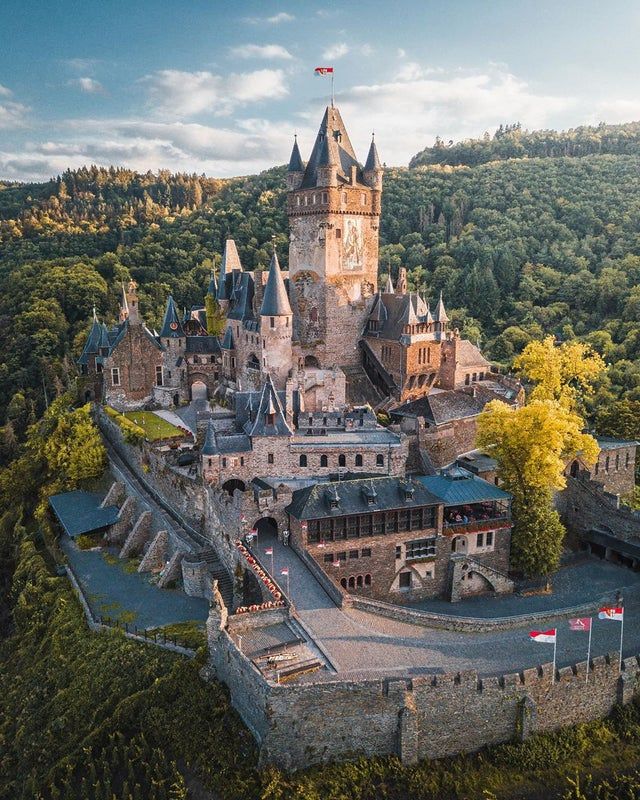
(220, 88)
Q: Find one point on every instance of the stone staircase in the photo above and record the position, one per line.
(218, 571)
(360, 390)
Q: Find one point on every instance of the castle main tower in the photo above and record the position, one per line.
(334, 213)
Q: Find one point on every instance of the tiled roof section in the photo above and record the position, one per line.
(456, 486)
(609, 443)
(81, 512)
(378, 312)
(441, 407)
(440, 312)
(209, 448)
(314, 502)
(468, 355)
(233, 443)
(332, 146)
(203, 344)
(402, 309)
(275, 302)
(227, 339)
(295, 162)
(171, 325)
(92, 345)
(270, 419)
(242, 298)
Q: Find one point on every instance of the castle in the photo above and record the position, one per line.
(301, 358)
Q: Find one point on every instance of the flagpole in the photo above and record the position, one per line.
(586, 680)
(332, 90)
(555, 644)
(621, 635)
(272, 572)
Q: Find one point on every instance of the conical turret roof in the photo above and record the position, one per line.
(275, 302)
(270, 418)
(295, 162)
(171, 325)
(332, 146)
(441, 314)
(210, 448)
(372, 162)
(388, 289)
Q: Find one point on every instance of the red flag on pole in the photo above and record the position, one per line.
(611, 612)
(580, 624)
(547, 637)
(319, 71)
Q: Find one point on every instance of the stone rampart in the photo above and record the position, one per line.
(428, 716)
(587, 505)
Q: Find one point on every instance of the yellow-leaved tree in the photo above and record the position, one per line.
(564, 373)
(532, 446)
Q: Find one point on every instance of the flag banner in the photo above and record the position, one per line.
(321, 544)
(547, 637)
(580, 624)
(268, 551)
(284, 571)
(611, 612)
(323, 71)
(336, 563)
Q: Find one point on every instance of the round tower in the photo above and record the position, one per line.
(276, 329)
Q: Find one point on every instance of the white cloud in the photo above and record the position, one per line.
(366, 50)
(336, 51)
(87, 85)
(81, 64)
(12, 113)
(184, 94)
(276, 19)
(273, 51)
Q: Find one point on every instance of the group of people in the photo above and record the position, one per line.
(461, 516)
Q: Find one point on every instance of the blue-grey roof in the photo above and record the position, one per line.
(241, 307)
(270, 418)
(227, 339)
(275, 302)
(372, 162)
(609, 443)
(353, 497)
(92, 345)
(456, 486)
(171, 325)
(79, 512)
(295, 162)
(209, 448)
(203, 344)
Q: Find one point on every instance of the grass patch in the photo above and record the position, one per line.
(189, 634)
(154, 427)
(110, 558)
(87, 541)
(131, 566)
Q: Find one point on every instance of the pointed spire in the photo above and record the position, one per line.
(171, 326)
(95, 316)
(270, 418)
(373, 162)
(408, 312)
(441, 314)
(124, 305)
(210, 448)
(295, 162)
(388, 289)
(212, 289)
(428, 317)
(275, 302)
(227, 340)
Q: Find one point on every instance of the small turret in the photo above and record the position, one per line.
(295, 171)
(124, 305)
(441, 314)
(401, 285)
(373, 167)
(171, 325)
(275, 302)
(131, 301)
(276, 325)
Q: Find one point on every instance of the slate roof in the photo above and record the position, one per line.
(233, 443)
(609, 443)
(92, 345)
(456, 486)
(372, 162)
(203, 344)
(295, 162)
(468, 355)
(364, 436)
(313, 501)
(171, 325)
(209, 447)
(332, 146)
(79, 512)
(269, 406)
(227, 339)
(275, 302)
(241, 297)
(447, 405)
(230, 262)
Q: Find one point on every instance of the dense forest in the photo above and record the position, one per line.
(510, 141)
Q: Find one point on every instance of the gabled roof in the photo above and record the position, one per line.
(270, 419)
(92, 345)
(171, 325)
(242, 297)
(440, 313)
(332, 146)
(441, 407)
(227, 339)
(275, 302)
(378, 312)
(457, 486)
(209, 447)
(315, 502)
(203, 344)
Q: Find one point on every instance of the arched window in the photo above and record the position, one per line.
(379, 460)
(359, 581)
(323, 461)
(358, 460)
(367, 580)
(343, 583)
(352, 582)
(303, 461)
(342, 460)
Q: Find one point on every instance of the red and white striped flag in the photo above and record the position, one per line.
(319, 71)
(546, 637)
(580, 624)
(268, 551)
(284, 571)
(611, 612)
(336, 563)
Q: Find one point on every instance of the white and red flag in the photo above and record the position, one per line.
(336, 563)
(611, 612)
(580, 624)
(319, 71)
(547, 637)
(284, 571)
(268, 551)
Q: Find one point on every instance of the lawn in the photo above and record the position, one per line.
(154, 426)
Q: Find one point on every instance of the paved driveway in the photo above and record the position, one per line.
(362, 645)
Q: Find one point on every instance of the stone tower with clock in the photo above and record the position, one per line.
(334, 212)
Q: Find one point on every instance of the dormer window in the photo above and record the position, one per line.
(337, 135)
(271, 419)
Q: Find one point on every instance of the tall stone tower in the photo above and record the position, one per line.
(334, 211)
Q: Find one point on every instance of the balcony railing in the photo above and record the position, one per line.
(476, 524)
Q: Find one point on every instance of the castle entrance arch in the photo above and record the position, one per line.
(459, 544)
(267, 528)
(232, 484)
(312, 362)
(198, 389)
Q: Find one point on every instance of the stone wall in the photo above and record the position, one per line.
(615, 469)
(420, 717)
(136, 357)
(585, 505)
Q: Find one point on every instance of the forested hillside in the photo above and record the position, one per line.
(520, 247)
(510, 141)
